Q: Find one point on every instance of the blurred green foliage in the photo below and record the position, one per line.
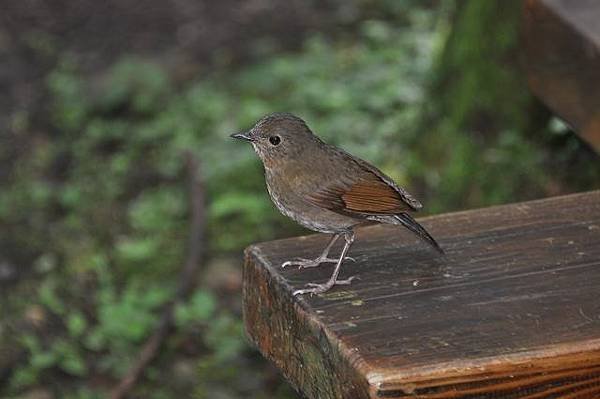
(98, 205)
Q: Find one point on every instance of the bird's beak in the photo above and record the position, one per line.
(242, 136)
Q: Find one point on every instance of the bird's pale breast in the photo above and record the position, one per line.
(288, 198)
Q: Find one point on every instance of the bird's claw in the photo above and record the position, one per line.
(321, 288)
(297, 261)
(318, 289)
(304, 263)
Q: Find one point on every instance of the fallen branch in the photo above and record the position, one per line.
(190, 267)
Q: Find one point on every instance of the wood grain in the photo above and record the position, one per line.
(561, 42)
(511, 311)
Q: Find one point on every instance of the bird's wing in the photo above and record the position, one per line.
(365, 194)
(367, 191)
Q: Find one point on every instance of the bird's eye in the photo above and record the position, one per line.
(275, 140)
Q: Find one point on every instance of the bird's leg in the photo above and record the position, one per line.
(304, 263)
(320, 288)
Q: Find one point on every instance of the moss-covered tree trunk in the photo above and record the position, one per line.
(478, 82)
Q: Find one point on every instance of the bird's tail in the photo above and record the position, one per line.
(407, 221)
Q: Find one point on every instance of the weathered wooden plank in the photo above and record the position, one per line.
(512, 309)
(561, 39)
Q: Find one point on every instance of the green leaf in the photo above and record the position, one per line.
(76, 324)
(200, 307)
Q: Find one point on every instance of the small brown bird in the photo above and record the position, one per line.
(325, 189)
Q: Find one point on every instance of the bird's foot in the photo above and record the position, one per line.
(321, 288)
(303, 263)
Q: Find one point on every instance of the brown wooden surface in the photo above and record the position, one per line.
(561, 39)
(511, 311)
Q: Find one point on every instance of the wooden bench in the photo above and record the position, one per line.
(512, 310)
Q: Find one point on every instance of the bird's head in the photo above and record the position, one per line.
(278, 138)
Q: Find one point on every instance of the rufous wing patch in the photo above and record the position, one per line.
(373, 196)
(364, 196)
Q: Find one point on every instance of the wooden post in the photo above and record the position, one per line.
(561, 42)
